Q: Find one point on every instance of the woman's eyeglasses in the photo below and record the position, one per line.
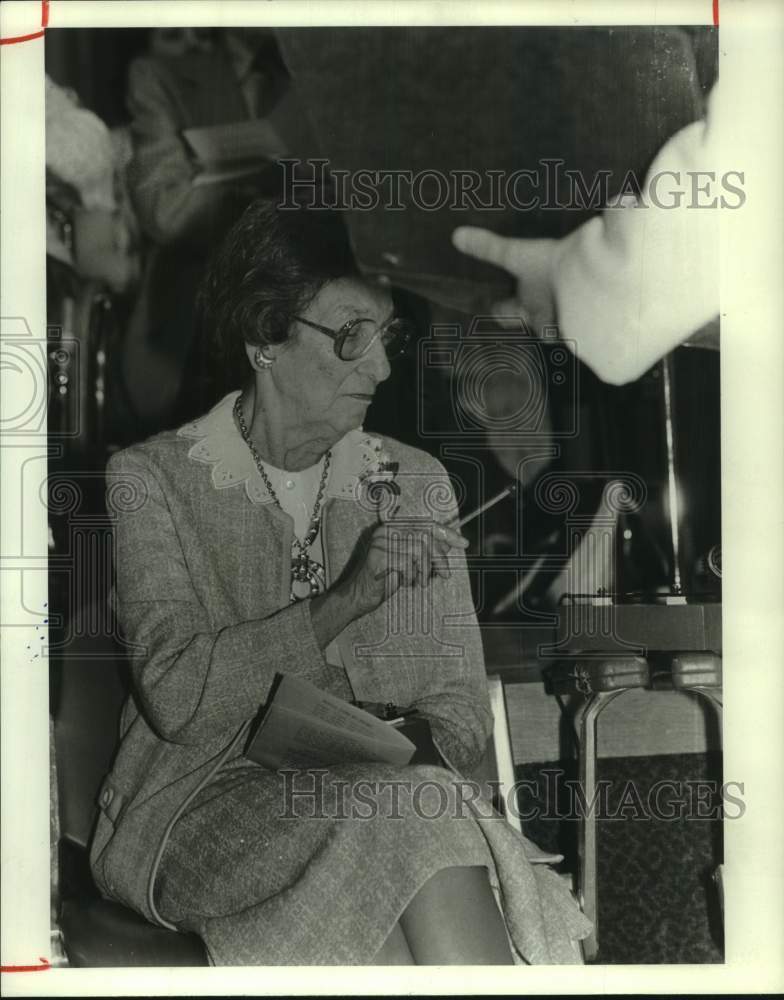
(355, 338)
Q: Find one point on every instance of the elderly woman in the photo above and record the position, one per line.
(247, 546)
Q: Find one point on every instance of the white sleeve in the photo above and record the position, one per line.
(633, 283)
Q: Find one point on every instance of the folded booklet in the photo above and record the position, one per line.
(226, 152)
(243, 148)
(303, 726)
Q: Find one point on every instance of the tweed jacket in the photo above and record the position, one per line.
(202, 595)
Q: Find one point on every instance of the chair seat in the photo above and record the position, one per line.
(695, 670)
(101, 934)
(616, 673)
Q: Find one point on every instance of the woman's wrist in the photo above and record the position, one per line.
(332, 611)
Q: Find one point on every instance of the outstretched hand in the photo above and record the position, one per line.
(529, 261)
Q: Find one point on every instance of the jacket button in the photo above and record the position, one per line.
(106, 796)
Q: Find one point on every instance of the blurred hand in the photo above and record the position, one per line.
(529, 261)
(103, 249)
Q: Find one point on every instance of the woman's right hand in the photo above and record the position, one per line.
(396, 554)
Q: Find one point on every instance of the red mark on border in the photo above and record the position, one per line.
(45, 964)
(30, 37)
(715, 13)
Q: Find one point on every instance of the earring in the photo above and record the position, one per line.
(261, 359)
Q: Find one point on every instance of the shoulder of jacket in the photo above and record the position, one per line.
(160, 451)
(410, 458)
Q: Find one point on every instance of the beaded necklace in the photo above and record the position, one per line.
(308, 576)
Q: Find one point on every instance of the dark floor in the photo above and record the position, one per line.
(657, 902)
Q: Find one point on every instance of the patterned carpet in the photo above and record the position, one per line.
(657, 901)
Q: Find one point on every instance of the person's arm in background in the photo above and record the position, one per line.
(160, 175)
(631, 284)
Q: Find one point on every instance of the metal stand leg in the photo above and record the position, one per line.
(711, 692)
(700, 674)
(713, 696)
(585, 725)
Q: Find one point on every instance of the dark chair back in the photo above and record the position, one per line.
(89, 688)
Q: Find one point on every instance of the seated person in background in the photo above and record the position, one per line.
(84, 168)
(522, 450)
(630, 285)
(193, 834)
(191, 79)
(209, 78)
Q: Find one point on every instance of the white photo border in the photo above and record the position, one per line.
(752, 365)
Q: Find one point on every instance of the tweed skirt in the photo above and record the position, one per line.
(311, 867)
(315, 867)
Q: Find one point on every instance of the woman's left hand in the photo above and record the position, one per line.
(397, 555)
(394, 555)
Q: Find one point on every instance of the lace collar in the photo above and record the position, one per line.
(218, 443)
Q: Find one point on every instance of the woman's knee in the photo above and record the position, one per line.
(395, 950)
